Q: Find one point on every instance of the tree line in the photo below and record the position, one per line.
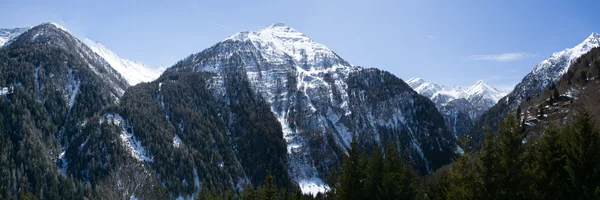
(562, 163)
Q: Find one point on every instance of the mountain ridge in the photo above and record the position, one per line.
(541, 76)
(320, 100)
(133, 71)
(433, 90)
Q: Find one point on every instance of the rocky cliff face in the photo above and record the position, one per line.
(320, 100)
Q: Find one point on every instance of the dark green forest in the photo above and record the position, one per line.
(562, 164)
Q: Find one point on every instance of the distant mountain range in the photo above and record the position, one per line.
(461, 107)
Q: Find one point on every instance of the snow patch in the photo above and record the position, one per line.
(63, 161)
(176, 141)
(132, 145)
(313, 186)
(134, 72)
(460, 150)
(75, 89)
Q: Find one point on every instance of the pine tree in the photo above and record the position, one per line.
(502, 161)
(549, 178)
(582, 144)
(374, 177)
(249, 193)
(269, 190)
(399, 179)
(351, 177)
(466, 178)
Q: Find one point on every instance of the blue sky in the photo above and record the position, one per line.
(447, 42)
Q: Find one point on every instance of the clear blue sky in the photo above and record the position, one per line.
(448, 42)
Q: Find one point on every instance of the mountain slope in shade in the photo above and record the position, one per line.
(544, 73)
(57, 36)
(58, 87)
(134, 72)
(320, 100)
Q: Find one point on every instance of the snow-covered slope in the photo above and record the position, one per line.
(558, 63)
(461, 107)
(278, 42)
(550, 69)
(544, 73)
(8, 34)
(441, 95)
(484, 90)
(134, 72)
(320, 100)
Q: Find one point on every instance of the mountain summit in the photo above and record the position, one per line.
(546, 72)
(558, 63)
(320, 100)
(278, 42)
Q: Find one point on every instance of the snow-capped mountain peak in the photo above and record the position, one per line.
(278, 24)
(425, 88)
(58, 26)
(442, 94)
(594, 37)
(558, 63)
(299, 77)
(487, 91)
(415, 82)
(134, 72)
(279, 41)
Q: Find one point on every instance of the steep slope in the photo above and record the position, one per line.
(461, 107)
(193, 138)
(134, 72)
(55, 35)
(8, 34)
(545, 73)
(578, 88)
(57, 87)
(320, 101)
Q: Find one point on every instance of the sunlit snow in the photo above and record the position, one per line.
(134, 72)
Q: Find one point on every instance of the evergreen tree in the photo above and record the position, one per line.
(550, 179)
(269, 190)
(399, 179)
(351, 185)
(374, 177)
(249, 193)
(502, 161)
(582, 162)
(466, 179)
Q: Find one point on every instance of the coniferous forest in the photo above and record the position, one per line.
(563, 164)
